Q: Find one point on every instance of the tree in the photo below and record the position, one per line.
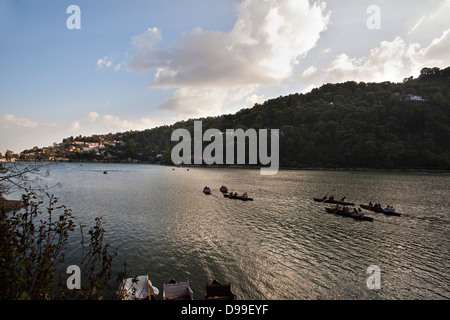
(8, 155)
(33, 243)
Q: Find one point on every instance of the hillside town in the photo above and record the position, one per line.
(74, 150)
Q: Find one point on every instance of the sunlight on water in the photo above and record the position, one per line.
(282, 245)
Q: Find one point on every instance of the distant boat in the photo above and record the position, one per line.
(235, 196)
(138, 288)
(356, 215)
(105, 172)
(218, 291)
(387, 211)
(334, 201)
(207, 190)
(177, 291)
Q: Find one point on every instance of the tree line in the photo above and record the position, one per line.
(350, 124)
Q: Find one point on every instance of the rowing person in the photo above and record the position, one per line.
(357, 213)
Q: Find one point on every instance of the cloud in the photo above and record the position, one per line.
(253, 99)
(92, 116)
(266, 42)
(432, 24)
(110, 122)
(209, 68)
(437, 53)
(390, 61)
(207, 101)
(10, 120)
(104, 63)
(108, 62)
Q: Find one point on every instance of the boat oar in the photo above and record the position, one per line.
(148, 287)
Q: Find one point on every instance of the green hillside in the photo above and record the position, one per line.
(364, 125)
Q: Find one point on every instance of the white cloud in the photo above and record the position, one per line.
(110, 62)
(104, 63)
(310, 71)
(390, 61)
(431, 24)
(253, 99)
(10, 120)
(436, 54)
(210, 69)
(74, 126)
(267, 40)
(92, 116)
(110, 122)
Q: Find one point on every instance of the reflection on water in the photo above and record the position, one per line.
(282, 245)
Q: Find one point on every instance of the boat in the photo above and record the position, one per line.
(236, 196)
(207, 190)
(334, 201)
(177, 291)
(343, 213)
(387, 211)
(218, 291)
(138, 288)
(223, 189)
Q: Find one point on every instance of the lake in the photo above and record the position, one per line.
(282, 245)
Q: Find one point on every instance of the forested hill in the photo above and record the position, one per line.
(350, 125)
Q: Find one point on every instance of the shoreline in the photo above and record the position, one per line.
(350, 169)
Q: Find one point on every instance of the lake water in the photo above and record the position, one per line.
(282, 245)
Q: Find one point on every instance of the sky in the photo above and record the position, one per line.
(115, 65)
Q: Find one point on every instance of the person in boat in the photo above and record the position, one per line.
(357, 213)
(344, 199)
(324, 197)
(331, 198)
(245, 195)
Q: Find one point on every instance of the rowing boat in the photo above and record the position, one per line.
(232, 196)
(218, 291)
(177, 291)
(390, 212)
(349, 214)
(343, 203)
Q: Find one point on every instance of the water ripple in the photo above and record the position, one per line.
(282, 245)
